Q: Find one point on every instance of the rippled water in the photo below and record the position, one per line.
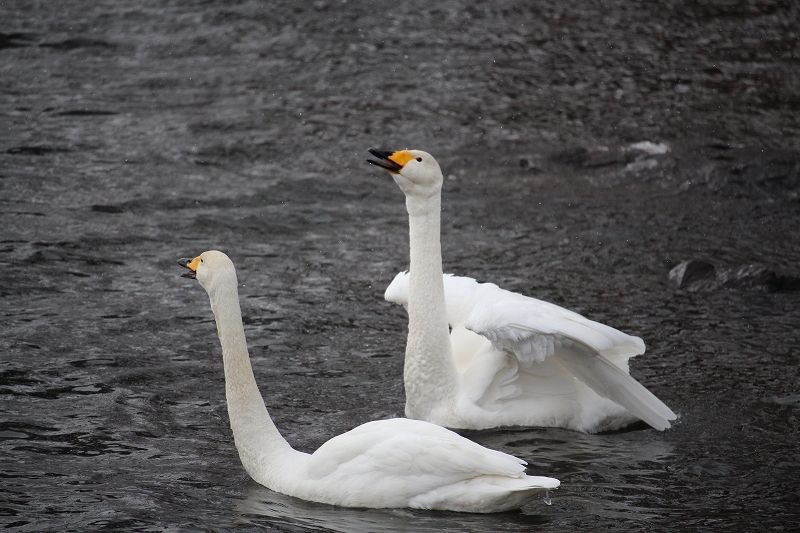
(137, 134)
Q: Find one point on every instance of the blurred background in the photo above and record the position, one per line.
(636, 162)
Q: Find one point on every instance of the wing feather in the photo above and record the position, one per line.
(533, 332)
(609, 381)
(400, 447)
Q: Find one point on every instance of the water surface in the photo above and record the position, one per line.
(135, 135)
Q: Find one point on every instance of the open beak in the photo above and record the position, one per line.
(387, 160)
(191, 264)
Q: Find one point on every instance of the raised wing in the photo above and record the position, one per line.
(533, 330)
(609, 381)
(526, 326)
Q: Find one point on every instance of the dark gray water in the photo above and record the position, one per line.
(134, 134)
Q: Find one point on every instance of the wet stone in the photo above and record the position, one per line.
(758, 277)
(694, 275)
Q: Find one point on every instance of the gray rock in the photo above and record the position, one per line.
(757, 277)
(694, 275)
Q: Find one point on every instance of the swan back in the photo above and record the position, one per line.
(401, 460)
(462, 295)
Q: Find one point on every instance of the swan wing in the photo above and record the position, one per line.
(461, 294)
(534, 332)
(397, 291)
(609, 381)
(513, 318)
(403, 448)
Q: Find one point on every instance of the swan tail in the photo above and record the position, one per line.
(609, 381)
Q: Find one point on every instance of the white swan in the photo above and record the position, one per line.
(510, 359)
(386, 463)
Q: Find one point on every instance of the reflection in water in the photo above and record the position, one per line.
(263, 506)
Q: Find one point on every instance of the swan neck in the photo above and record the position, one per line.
(430, 373)
(257, 439)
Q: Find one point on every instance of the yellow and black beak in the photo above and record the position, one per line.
(391, 161)
(191, 264)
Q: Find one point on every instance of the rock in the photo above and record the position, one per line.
(758, 277)
(694, 275)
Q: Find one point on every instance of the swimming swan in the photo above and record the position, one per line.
(510, 359)
(385, 463)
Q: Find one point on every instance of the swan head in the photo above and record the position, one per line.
(209, 268)
(416, 172)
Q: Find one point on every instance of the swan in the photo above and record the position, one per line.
(385, 463)
(479, 357)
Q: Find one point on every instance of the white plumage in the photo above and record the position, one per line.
(532, 330)
(385, 463)
(509, 359)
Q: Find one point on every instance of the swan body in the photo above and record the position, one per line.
(479, 356)
(385, 463)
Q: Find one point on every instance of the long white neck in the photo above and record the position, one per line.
(431, 378)
(257, 439)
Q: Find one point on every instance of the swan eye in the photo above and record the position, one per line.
(419, 159)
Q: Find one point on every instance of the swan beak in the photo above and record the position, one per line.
(191, 264)
(391, 161)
